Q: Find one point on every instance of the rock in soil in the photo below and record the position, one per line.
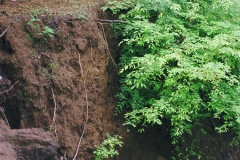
(27, 144)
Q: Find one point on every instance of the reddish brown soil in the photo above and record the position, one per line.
(82, 82)
(74, 73)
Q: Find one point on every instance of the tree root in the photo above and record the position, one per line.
(107, 43)
(9, 88)
(4, 116)
(54, 114)
(5, 31)
(84, 83)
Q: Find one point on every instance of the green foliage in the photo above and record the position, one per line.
(116, 6)
(46, 75)
(107, 148)
(37, 29)
(47, 32)
(49, 74)
(34, 24)
(180, 61)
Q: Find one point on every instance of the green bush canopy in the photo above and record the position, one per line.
(180, 61)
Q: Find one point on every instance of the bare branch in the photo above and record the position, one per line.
(109, 21)
(5, 31)
(9, 88)
(107, 43)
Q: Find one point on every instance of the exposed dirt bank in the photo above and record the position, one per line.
(70, 78)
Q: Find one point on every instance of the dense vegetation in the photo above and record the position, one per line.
(180, 61)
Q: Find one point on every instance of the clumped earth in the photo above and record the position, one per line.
(50, 88)
(24, 144)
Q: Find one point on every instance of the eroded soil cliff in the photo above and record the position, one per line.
(64, 84)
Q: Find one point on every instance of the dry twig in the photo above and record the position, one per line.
(97, 106)
(84, 84)
(91, 50)
(5, 31)
(107, 43)
(109, 21)
(54, 114)
(9, 88)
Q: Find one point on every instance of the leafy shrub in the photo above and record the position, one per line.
(107, 147)
(116, 6)
(37, 29)
(47, 32)
(180, 61)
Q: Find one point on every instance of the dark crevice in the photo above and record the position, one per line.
(5, 45)
(13, 116)
(8, 101)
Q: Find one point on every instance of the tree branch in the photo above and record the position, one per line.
(9, 88)
(107, 43)
(109, 21)
(5, 31)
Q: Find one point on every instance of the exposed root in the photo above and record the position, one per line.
(65, 121)
(54, 114)
(107, 43)
(100, 123)
(4, 116)
(5, 31)
(80, 140)
(91, 50)
(9, 88)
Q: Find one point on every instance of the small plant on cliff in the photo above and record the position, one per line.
(116, 6)
(179, 61)
(49, 74)
(37, 29)
(34, 24)
(47, 32)
(46, 74)
(107, 148)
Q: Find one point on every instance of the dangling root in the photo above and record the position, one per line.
(5, 31)
(84, 84)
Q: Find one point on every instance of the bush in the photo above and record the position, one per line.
(180, 61)
(107, 147)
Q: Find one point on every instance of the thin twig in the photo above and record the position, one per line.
(9, 88)
(54, 113)
(4, 116)
(97, 106)
(91, 50)
(84, 84)
(58, 108)
(107, 43)
(5, 31)
(109, 21)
